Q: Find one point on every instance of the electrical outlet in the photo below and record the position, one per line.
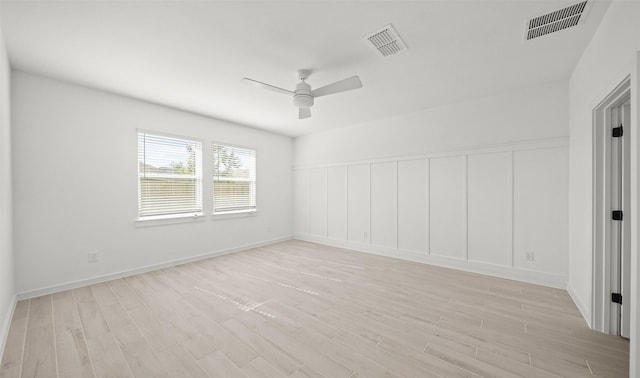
(92, 257)
(529, 256)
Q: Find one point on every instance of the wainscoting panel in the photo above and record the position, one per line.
(384, 204)
(359, 203)
(412, 205)
(318, 201)
(448, 206)
(490, 207)
(301, 201)
(337, 202)
(498, 210)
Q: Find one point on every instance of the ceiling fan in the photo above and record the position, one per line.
(303, 95)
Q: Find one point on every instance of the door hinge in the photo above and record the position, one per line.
(616, 298)
(616, 215)
(617, 132)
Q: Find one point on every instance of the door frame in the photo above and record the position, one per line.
(602, 306)
(634, 347)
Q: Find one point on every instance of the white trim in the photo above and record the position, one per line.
(160, 220)
(534, 277)
(427, 218)
(397, 205)
(581, 307)
(634, 346)
(370, 229)
(503, 147)
(130, 272)
(511, 208)
(601, 206)
(326, 200)
(6, 324)
(234, 214)
(465, 209)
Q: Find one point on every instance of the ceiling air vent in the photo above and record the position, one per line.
(557, 20)
(386, 41)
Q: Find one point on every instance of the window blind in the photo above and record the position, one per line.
(234, 179)
(169, 175)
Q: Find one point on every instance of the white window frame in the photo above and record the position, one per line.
(233, 213)
(175, 217)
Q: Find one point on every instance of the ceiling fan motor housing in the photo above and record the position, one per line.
(302, 97)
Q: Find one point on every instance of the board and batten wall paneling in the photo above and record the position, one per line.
(358, 199)
(337, 202)
(318, 201)
(489, 207)
(412, 205)
(541, 187)
(480, 210)
(447, 205)
(384, 204)
(301, 201)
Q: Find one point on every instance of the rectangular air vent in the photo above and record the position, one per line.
(557, 20)
(386, 41)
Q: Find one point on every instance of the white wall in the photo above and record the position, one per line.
(609, 58)
(75, 185)
(7, 290)
(533, 113)
(500, 189)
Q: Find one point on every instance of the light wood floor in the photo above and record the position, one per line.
(297, 309)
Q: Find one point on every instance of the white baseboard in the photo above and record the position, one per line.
(6, 323)
(586, 315)
(517, 274)
(130, 272)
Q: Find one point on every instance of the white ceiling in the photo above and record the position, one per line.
(192, 54)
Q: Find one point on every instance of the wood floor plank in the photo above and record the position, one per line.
(217, 364)
(358, 362)
(260, 368)
(127, 297)
(398, 363)
(72, 352)
(314, 359)
(107, 358)
(39, 350)
(229, 344)
(520, 369)
(272, 353)
(14, 347)
(298, 309)
(305, 372)
(134, 346)
(180, 363)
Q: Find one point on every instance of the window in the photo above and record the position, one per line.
(234, 179)
(169, 176)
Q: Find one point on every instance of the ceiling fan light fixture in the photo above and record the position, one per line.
(303, 96)
(302, 100)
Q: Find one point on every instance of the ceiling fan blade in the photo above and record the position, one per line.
(337, 87)
(259, 84)
(304, 113)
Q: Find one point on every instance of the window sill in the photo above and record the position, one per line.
(233, 214)
(169, 219)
